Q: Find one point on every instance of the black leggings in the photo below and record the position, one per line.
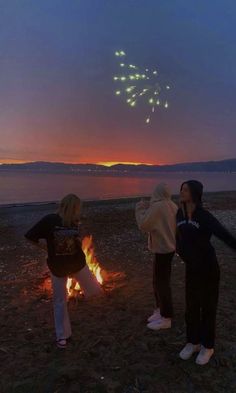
(161, 283)
(202, 292)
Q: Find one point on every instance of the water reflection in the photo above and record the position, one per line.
(35, 187)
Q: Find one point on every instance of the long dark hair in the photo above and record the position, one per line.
(196, 191)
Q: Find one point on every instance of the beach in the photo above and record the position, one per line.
(111, 350)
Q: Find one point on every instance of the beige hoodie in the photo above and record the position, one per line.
(159, 220)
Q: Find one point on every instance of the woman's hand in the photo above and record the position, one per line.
(40, 244)
(143, 204)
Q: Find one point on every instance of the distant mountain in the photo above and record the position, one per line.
(119, 169)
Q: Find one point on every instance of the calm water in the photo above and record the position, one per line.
(34, 187)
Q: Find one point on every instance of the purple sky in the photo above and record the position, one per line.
(57, 63)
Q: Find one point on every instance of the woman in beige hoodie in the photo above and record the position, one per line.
(158, 218)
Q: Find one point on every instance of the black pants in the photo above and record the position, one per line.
(161, 283)
(202, 292)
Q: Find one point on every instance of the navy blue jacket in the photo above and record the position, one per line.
(194, 238)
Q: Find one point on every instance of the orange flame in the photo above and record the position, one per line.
(93, 264)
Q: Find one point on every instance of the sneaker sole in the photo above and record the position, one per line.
(160, 328)
(189, 357)
(203, 364)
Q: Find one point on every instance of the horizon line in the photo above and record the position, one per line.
(113, 163)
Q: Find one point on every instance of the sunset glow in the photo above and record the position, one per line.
(111, 163)
(65, 96)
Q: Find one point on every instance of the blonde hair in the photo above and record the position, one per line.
(69, 207)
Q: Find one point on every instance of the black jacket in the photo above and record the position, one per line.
(65, 255)
(193, 238)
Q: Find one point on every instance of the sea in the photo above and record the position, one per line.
(29, 187)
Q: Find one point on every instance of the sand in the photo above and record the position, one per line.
(111, 351)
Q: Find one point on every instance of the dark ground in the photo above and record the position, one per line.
(112, 350)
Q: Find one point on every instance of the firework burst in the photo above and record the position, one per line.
(136, 85)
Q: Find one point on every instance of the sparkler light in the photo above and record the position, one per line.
(138, 85)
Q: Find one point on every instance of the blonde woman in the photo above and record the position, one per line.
(158, 219)
(65, 258)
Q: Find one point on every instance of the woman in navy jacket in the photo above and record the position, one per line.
(195, 226)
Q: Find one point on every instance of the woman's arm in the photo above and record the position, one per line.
(38, 232)
(146, 218)
(40, 244)
(220, 231)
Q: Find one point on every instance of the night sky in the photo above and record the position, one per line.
(57, 63)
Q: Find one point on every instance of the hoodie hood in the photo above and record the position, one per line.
(161, 193)
(159, 220)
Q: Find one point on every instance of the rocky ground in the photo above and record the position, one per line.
(112, 351)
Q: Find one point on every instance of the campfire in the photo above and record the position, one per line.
(73, 287)
(108, 279)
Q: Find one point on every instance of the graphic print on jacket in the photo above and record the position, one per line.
(66, 241)
(68, 254)
(194, 238)
(65, 254)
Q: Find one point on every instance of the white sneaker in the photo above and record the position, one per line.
(188, 351)
(204, 356)
(162, 323)
(155, 316)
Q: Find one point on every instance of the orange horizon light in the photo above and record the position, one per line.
(111, 163)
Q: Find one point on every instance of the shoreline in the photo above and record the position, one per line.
(125, 199)
(109, 201)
